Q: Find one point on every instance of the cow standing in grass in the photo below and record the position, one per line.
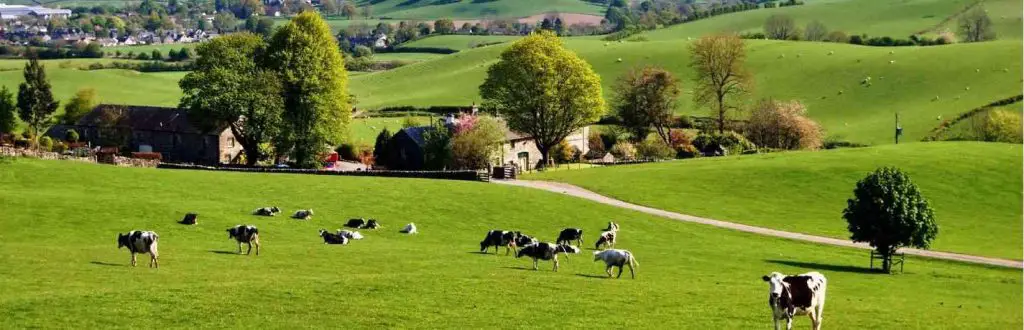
(138, 241)
(568, 235)
(790, 295)
(245, 234)
(497, 239)
(617, 258)
(545, 251)
(607, 238)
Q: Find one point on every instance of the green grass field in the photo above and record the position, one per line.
(162, 48)
(112, 86)
(457, 42)
(417, 57)
(365, 130)
(973, 187)
(61, 265)
(783, 70)
(427, 9)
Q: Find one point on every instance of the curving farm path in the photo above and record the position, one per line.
(576, 191)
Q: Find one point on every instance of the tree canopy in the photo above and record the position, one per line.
(544, 90)
(721, 79)
(7, 110)
(35, 100)
(79, 105)
(646, 98)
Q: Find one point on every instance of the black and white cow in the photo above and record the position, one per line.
(607, 238)
(617, 258)
(267, 211)
(790, 295)
(570, 234)
(371, 224)
(409, 229)
(332, 238)
(497, 239)
(355, 223)
(138, 241)
(351, 235)
(524, 240)
(545, 251)
(612, 226)
(303, 214)
(245, 234)
(190, 219)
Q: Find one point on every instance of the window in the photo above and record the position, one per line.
(231, 142)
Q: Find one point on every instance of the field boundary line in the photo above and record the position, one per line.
(576, 191)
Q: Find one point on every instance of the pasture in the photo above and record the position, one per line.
(111, 85)
(148, 49)
(425, 10)
(974, 188)
(365, 130)
(62, 218)
(457, 42)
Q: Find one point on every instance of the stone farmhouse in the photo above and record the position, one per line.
(154, 129)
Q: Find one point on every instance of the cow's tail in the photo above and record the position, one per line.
(632, 260)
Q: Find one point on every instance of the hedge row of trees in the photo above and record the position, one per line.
(973, 26)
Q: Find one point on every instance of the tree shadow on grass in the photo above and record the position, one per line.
(826, 267)
(105, 264)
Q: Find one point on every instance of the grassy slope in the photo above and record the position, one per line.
(1005, 15)
(426, 9)
(59, 228)
(457, 42)
(365, 130)
(973, 187)
(112, 86)
(897, 19)
(806, 73)
(163, 48)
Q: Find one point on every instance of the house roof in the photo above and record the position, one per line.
(416, 133)
(145, 118)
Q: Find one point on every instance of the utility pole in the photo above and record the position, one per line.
(899, 129)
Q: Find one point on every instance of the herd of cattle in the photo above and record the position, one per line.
(789, 295)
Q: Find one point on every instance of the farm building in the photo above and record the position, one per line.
(154, 129)
(11, 12)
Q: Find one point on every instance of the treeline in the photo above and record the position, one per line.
(91, 50)
(627, 18)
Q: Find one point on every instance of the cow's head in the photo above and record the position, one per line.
(310, 211)
(778, 292)
(232, 232)
(323, 232)
(122, 240)
(483, 245)
(597, 255)
(274, 209)
(525, 251)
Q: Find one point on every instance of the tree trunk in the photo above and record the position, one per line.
(544, 151)
(721, 114)
(886, 259)
(251, 155)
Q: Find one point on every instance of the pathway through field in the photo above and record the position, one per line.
(587, 194)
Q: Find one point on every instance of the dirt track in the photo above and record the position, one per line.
(590, 195)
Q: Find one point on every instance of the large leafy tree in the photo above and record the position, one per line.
(541, 89)
(780, 27)
(79, 105)
(381, 147)
(887, 211)
(645, 98)
(314, 83)
(7, 109)
(975, 25)
(228, 88)
(35, 100)
(721, 79)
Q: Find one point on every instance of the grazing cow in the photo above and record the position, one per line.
(190, 219)
(791, 295)
(355, 223)
(524, 240)
(245, 234)
(371, 224)
(612, 226)
(545, 251)
(332, 238)
(138, 241)
(303, 214)
(408, 229)
(350, 234)
(267, 211)
(617, 258)
(499, 238)
(570, 234)
(607, 238)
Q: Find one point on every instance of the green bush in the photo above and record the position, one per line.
(687, 151)
(624, 151)
(654, 148)
(46, 143)
(348, 151)
(731, 143)
(71, 136)
(999, 126)
(60, 147)
(563, 152)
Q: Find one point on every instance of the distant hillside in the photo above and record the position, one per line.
(476, 9)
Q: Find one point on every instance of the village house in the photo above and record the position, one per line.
(154, 129)
(12, 12)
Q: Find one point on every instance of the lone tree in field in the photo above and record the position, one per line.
(228, 88)
(645, 98)
(543, 90)
(721, 78)
(780, 27)
(975, 26)
(7, 109)
(887, 211)
(35, 101)
(815, 31)
(314, 87)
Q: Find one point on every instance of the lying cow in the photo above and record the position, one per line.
(570, 234)
(267, 211)
(408, 229)
(617, 258)
(332, 238)
(497, 239)
(138, 241)
(371, 224)
(303, 214)
(355, 223)
(790, 295)
(190, 219)
(245, 234)
(351, 235)
(545, 251)
(607, 238)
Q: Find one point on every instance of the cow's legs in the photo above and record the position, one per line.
(620, 272)
(257, 242)
(789, 323)
(239, 247)
(133, 259)
(153, 260)
(775, 321)
(556, 263)
(608, 270)
(631, 273)
(534, 264)
(249, 250)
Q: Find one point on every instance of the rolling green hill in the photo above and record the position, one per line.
(457, 42)
(830, 85)
(61, 264)
(112, 86)
(474, 9)
(974, 188)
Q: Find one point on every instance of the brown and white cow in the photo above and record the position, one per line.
(791, 295)
(138, 241)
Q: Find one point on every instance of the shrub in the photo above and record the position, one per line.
(684, 121)
(783, 125)
(348, 151)
(476, 141)
(687, 151)
(679, 138)
(624, 151)
(410, 122)
(71, 136)
(998, 126)
(887, 211)
(654, 148)
(836, 142)
(563, 152)
(60, 147)
(596, 144)
(837, 36)
(723, 144)
(46, 143)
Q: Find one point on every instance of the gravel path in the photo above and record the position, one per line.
(590, 195)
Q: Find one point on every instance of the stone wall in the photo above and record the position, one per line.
(117, 160)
